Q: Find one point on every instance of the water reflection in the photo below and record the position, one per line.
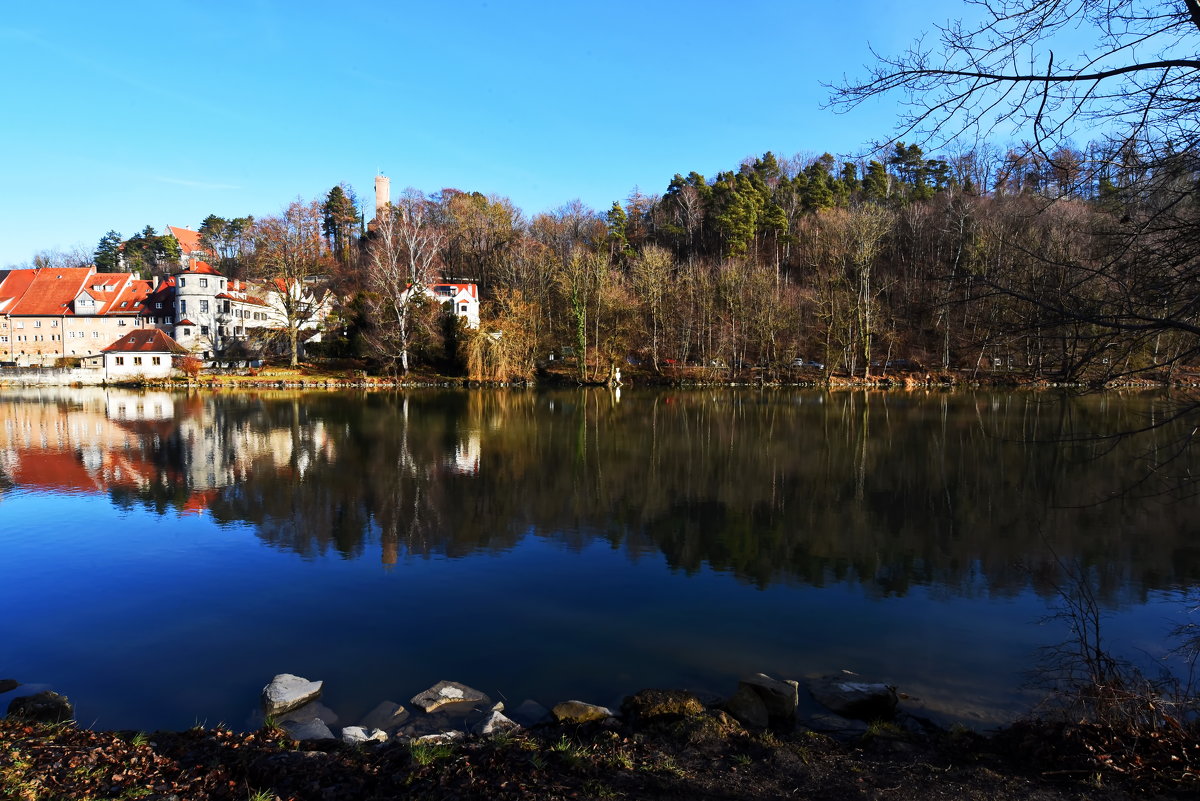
(976, 495)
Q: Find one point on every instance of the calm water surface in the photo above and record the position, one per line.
(163, 555)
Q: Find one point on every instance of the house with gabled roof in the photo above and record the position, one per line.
(52, 313)
(145, 354)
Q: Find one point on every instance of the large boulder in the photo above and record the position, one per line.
(447, 692)
(855, 699)
(388, 715)
(747, 708)
(44, 707)
(579, 712)
(658, 703)
(779, 697)
(286, 692)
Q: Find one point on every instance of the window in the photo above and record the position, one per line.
(187, 332)
(182, 307)
(120, 323)
(120, 360)
(95, 335)
(204, 330)
(203, 283)
(156, 360)
(19, 324)
(463, 308)
(3, 339)
(54, 323)
(37, 323)
(204, 307)
(181, 280)
(158, 305)
(137, 360)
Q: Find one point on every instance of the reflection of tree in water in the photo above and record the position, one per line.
(970, 494)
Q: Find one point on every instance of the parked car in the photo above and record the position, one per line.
(807, 363)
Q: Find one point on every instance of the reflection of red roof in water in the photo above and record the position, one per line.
(54, 471)
(198, 502)
(61, 471)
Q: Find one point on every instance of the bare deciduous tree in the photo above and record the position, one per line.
(405, 248)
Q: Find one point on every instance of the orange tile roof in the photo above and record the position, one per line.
(52, 291)
(13, 287)
(150, 340)
(202, 267)
(189, 240)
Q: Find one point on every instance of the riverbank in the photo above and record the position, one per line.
(663, 757)
(349, 374)
(454, 743)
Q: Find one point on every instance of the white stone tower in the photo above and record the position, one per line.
(383, 193)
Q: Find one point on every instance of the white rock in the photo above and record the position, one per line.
(495, 722)
(357, 735)
(314, 729)
(443, 737)
(286, 692)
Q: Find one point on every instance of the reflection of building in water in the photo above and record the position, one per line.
(155, 444)
(145, 406)
(466, 455)
(219, 452)
(74, 442)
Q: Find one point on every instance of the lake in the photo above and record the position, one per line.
(164, 555)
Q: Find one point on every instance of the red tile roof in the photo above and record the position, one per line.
(150, 340)
(202, 267)
(189, 240)
(13, 287)
(52, 291)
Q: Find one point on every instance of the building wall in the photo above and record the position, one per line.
(121, 366)
(40, 340)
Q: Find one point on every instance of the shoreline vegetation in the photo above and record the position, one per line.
(345, 374)
(454, 743)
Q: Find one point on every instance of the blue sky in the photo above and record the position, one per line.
(127, 114)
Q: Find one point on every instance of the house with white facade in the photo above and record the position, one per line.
(148, 353)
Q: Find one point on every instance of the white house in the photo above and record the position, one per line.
(147, 353)
(462, 298)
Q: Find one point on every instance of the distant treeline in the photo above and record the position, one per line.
(981, 260)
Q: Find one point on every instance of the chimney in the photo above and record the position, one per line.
(154, 283)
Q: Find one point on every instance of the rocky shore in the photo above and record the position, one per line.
(453, 741)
